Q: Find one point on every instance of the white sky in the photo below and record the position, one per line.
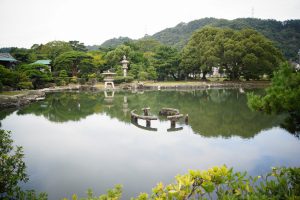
(26, 22)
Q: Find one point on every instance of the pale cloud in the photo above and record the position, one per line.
(24, 23)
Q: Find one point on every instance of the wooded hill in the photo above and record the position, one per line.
(285, 35)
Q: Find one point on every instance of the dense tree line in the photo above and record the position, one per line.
(241, 53)
(244, 53)
(285, 35)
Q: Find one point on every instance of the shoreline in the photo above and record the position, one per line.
(18, 100)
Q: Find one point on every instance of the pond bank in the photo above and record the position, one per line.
(29, 96)
(202, 85)
(26, 97)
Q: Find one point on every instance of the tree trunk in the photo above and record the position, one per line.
(74, 70)
(204, 76)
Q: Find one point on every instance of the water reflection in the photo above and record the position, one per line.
(74, 141)
(212, 113)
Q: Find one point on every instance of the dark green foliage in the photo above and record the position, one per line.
(39, 74)
(23, 55)
(166, 62)
(25, 85)
(282, 96)
(52, 49)
(122, 79)
(77, 46)
(71, 61)
(113, 43)
(203, 51)
(13, 171)
(12, 166)
(63, 74)
(12, 78)
(241, 53)
(285, 35)
(147, 45)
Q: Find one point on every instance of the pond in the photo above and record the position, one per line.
(79, 140)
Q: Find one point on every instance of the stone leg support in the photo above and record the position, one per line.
(148, 123)
(146, 112)
(173, 123)
(186, 119)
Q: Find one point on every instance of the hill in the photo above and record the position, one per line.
(285, 35)
(111, 43)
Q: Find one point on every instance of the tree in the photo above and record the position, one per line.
(282, 96)
(53, 49)
(39, 74)
(248, 53)
(203, 51)
(14, 79)
(23, 55)
(71, 61)
(166, 61)
(241, 53)
(12, 166)
(152, 74)
(98, 59)
(147, 45)
(115, 56)
(77, 46)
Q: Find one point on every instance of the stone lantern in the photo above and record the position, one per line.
(109, 79)
(124, 63)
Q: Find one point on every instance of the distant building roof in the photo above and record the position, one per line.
(7, 57)
(44, 62)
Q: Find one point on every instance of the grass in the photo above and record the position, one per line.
(12, 93)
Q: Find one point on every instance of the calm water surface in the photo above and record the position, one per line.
(74, 141)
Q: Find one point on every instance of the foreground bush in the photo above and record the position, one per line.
(13, 171)
(219, 183)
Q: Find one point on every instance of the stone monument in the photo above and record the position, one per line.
(124, 63)
(109, 79)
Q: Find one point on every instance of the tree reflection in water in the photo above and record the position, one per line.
(212, 113)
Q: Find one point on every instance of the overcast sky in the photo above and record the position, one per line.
(26, 22)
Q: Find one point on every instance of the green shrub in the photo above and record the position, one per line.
(143, 76)
(93, 75)
(25, 85)
(63, 74)
(220, 183)
(122, 79)
(74, 79)
(129, 79)
(62, 83)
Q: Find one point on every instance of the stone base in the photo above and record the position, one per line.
(111, 83)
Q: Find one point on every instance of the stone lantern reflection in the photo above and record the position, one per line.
(125, 106)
